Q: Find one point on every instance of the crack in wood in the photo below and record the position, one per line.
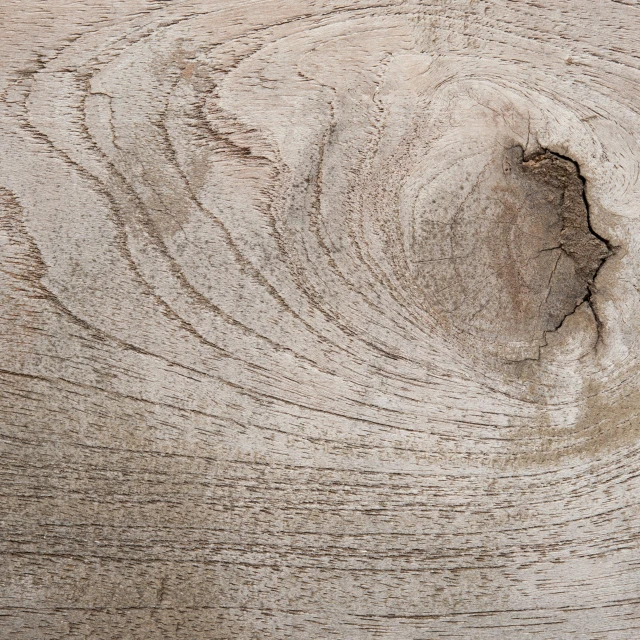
(587, 250)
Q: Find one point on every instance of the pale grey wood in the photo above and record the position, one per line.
(319, 320)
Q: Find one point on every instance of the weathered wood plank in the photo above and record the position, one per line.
(319, 319)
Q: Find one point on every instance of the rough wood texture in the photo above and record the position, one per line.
(320, 319)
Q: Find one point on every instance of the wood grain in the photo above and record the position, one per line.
(320, 319)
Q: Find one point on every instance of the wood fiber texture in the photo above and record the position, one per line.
(320, 319)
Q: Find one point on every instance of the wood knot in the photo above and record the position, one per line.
(521, 252)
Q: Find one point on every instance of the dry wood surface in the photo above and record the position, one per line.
(320, 319)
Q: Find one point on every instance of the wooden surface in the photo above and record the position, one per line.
(320, 319)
